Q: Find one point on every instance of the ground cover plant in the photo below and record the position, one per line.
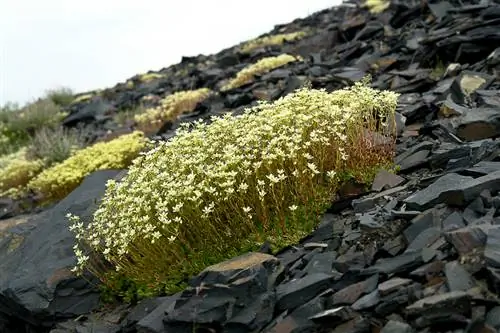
(171, 107)
(56, 182)
(216, 190)
(271, 40)
(262, 66)
(16, 170)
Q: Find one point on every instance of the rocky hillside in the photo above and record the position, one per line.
(417, 250)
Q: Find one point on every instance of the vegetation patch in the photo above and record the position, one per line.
(59, 180)
(262, 66)
(82, 98)
(219, 189)
(148, 77)
(16, 170)
(271, 40)
(170, 108)
(377, 6)
(18, 125)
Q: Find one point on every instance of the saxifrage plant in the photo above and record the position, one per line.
(218, 189)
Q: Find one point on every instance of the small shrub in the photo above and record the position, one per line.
(271, 40)
(82, 98)
(377, 6)
(148, 77)
(16, 171)
(215, 190)
(17, 126)
(262, 66)
(170, 108)
(59, 180)
(61, 96)
(54, 145)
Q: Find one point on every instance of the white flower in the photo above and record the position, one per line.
(292, 208)
(247, 209)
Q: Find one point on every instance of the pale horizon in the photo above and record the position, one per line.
(96, 44)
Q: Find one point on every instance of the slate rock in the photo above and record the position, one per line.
(36, 284)
(468, 190)
(438, 192)
(492, 249)
(321, 263)
(393, 326)
(457, 277)
(453, 221)
(453, 302)
(350, 294)
(299, 291)
(391, 285)
(264, 267)
(385, 179)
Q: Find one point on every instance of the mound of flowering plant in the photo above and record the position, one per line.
(216, 189)
(262, 66)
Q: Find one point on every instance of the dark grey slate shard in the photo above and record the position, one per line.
(452, 222)
(140, 311)
(385, 179)
(403, 263)
(368, 301)
(394, 326)
(429, 270)
(350, 294)
(438, 192)
(296, 292)
(252, 316)
(477, 124)
(392, 285)
(468, 190)
(482, 168)
(453, 302)
(421, 222)
(321, 263)
(492, 249)
(457, 277)
(335, 316)
(36, 279)
(493, 317)
(398, 299)
(425, 239)
(465, 240)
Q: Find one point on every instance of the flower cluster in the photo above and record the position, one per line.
(16, 171)
(271, 40)
(266, 173)
(171, 107)
(59, 180)
(262, 66)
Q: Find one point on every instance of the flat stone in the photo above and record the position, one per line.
(36, 280)
(437, 192)
(450, 302)
(393, 326)
(465, 240)
(425, 239)
(385, 179)
(420, 223)
(367, 301)
(403, 263)
(391, 285)
(468, 190)
(246, 265)
(334, 316)
(457, 278)
(299, 291)
(352, 293)
(492, 249)
(321, 263)
(453, 221)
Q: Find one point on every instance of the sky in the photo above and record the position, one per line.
(94, 44)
